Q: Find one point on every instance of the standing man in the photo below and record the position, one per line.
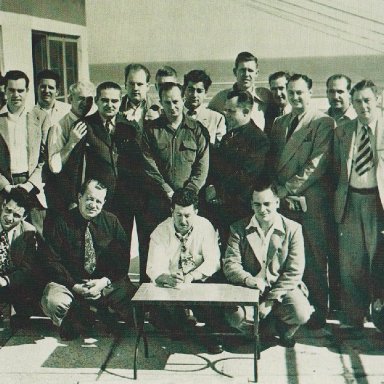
(62, 140)
(91, 271)
(359, 201)
(176, 153)
(23, 137)
(3, 98)
(246, 71)
(266, 252)
(165, 74)
(238, 161)
(340, 107)
(196, 85)
(301, 149)
(48, 86)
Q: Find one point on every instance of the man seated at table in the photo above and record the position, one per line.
(266, 252)
(88, 265)
(183, 249)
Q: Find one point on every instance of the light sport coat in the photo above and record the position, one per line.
(285, 257)
(38, 124)
(343, 155)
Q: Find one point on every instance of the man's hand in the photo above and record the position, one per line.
(95, 288)
(78, 132)
(170, 281)
(378, 304)
(265, 308)
(3, 282)
(254, 282)
(80, 289)
(210, 193)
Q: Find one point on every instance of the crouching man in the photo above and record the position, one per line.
(183, 249)
(88, 265)
(266, 252)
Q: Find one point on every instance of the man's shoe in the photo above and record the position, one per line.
(214, 348)
(316, 322)
(287, 339)
(68, 331)
(18, 322)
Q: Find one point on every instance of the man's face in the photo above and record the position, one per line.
(183, 218)
(235, 115)
(194, 95)
(299, 95)
(11, 215)
(279, 91)
(92, 201)
(81, 102)
(108, 103)
(47, 92)
(172, 103)
(137, 86)
(264, 205)
(365, 104)
(246, 74)
(164, 79)
(16, 93)
(338, 94)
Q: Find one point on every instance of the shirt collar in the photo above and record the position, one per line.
(196, 111)
(372, 126)
(112, 121)
(14, 116)
(277, 224)
(11, 233)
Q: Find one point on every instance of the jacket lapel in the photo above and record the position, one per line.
(347, 147)
(380, 158)
(255, 244)
(4, 129)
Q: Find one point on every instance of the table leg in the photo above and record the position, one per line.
(139, 327)
(256, 352)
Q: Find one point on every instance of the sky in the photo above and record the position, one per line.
(169, 30)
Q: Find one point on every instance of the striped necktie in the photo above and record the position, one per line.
(364, 158)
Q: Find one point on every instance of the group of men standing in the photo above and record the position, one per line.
(294, 194)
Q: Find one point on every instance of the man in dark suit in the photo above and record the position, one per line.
(301, 148)
(238, 161)
(88, 264)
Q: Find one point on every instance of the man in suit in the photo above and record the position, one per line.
(48, 87)
(195, 88)
(87, 265)
(21, 281)
(238, 161)
(359, 199)
(23, 137)
(246, 71)
(301, 148)
(340, 107)
(266, 252)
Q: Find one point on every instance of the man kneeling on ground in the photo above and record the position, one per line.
(266, 252)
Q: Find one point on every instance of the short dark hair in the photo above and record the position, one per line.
(106, 85)
(245, 99)
(245, 56)
(364, 84)
(197, 76)
(16, 75)
(263, 182)
(168, 86)
(277, 75)
(339, 76)
(48, 74)
(298, 76)
(166, 70)
(98, 185)
(21, 197)
(185, 197)
(136, 67)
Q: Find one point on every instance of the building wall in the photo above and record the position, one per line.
(70, 11)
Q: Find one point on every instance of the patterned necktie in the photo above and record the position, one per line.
(364, 158)
(109, 126)
(186, 263)
(5, 262)
(89, 253)
(292, 127)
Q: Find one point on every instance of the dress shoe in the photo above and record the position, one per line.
(214, 348)
(68, 330)
(286, 334)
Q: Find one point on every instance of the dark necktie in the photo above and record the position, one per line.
(5, 261)
(109, 126)
(89, 252)
(364, 158)
(292, 127)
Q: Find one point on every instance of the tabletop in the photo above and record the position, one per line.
(196, 293)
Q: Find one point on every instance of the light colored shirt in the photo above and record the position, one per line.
(17, 133)
(135, 112)
(165, 248)
(349, 114)
(368, 179)
(57, 112)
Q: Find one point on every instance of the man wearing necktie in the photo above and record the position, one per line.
(301, 148)
(88, 264)
(266, 251)
(359, 202)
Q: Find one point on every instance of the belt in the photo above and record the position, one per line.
(22, 174)
(364, 191)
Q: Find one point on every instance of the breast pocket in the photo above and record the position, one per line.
(188, 150)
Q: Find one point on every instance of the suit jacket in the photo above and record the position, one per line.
(38, 125)
(302, 163)
(285, 257)
(343, 156)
